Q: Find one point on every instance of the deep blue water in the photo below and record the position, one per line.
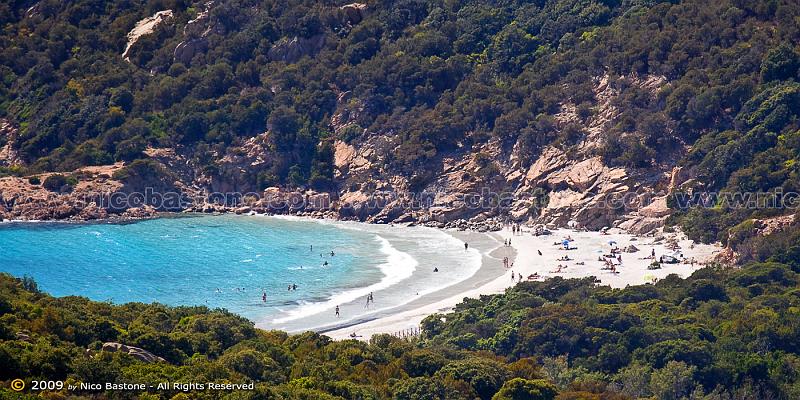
(218, 261)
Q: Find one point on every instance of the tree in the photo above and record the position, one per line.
(524, 389)
(512, 49)
(485, 376)
(55, 182)
(780, 63)
(674, 381)
(283, 124)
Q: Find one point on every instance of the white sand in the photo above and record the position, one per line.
(590, 246)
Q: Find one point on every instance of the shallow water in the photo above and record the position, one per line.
(230, 261)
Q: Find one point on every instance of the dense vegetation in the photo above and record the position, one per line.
(721, 334)
(436, 75)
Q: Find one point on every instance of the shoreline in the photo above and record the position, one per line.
(491, 269)
(527, 261)
(490, 277)
(420, 245)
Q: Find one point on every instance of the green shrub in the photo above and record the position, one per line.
(524, 389)
(55, 182)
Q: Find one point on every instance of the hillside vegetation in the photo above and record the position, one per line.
(436, 77)
(721, 334)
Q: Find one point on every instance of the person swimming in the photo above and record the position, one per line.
(294, 286)
(264, 297)
(435, 269)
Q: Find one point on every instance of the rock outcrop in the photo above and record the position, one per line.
(8, 153)
(136, 352)
(473, 186)
(89, 199)
(196, 34)
(768, 226)
(292, 50)
(354, 12)
(144, 27)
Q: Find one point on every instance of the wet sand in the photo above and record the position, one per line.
(493, 278)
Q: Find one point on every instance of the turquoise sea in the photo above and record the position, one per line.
(230, 261)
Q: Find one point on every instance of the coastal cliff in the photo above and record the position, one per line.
(637, 115)
(460, 188)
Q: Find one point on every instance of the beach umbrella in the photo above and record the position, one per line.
(565, 242)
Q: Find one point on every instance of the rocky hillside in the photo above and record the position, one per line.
(459, 112)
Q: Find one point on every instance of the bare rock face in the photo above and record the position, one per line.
(236, 165)
(187, 49)
(348, 111)
(88, 199)
(766, 227)
(139, 353)
(144, 27)
(354, 12)
(140, 212)
(196, 34)
(292, 50)
(8, 154)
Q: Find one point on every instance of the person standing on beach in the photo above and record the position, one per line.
(337, 311)
(466, 246)
(512, 276)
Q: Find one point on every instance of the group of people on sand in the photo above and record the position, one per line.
(507, 263)
(516, 229)
(565, 243)
(560, 268)
(518, 277)
(609, 265)
(507, 242)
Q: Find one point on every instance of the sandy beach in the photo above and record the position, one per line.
(542, 255)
